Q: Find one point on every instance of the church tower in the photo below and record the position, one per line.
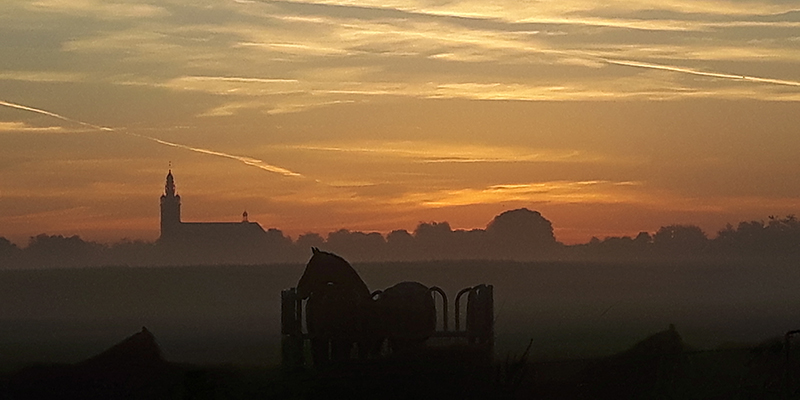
(170, 209)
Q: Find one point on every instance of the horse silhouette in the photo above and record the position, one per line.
(339, 311)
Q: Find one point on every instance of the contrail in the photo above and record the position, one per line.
(240, 79)
(638, 64)
(246, 160)
(54, 115)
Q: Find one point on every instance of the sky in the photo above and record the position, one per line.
(610, 118)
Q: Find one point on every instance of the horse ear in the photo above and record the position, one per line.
(314, 250)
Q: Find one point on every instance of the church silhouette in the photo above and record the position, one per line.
(204, 242)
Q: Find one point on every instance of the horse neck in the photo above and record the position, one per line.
(354, 280)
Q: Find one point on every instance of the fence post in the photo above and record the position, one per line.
(480, 317)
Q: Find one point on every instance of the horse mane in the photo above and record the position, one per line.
(349, 275)
(339, 258)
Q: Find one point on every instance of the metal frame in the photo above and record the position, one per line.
(478, 328)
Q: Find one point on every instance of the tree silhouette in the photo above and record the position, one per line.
(434, 240)
(54, 251)
(309, 240)
(9, 253)
(777, 236)
(473, 244)
(357, 245)
(680, 239)
(643, 239)
(400, 245)
(521, 233)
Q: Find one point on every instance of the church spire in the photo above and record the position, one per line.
(169, 187)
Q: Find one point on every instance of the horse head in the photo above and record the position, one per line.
(325, 270)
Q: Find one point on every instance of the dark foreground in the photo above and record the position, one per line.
(660, 366)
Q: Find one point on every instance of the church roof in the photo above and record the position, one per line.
(227, 230)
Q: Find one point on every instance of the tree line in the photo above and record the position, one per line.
(776, 237)
(519, 234)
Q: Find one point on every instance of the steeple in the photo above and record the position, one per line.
(170, 209)
(169, 187)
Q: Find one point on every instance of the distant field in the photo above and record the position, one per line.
(230, 314)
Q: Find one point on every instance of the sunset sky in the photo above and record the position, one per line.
(609, 117)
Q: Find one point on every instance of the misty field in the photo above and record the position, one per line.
(230, 314)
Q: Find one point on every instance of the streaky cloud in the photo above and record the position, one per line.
(432, 152)
(721, 75)
(40, 76)
(562, 191)
(101, 9)
(240, 79)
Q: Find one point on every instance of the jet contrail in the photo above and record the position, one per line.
(246, 160)
(240, 79)
(54, 115)
(638, 64)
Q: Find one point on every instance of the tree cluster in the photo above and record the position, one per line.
(513, 235)
(778, 237)
(517, 234)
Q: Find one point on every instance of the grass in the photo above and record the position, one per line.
(440, 374)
